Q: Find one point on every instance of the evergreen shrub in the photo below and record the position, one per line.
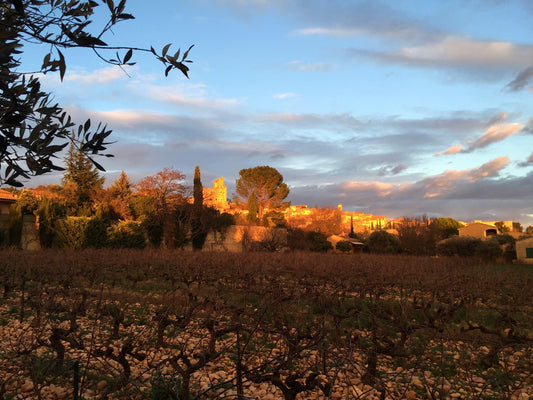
(127, 234)
(318, 242)
(344, 246)
(71, 232)
(381, 241)
(95, 234)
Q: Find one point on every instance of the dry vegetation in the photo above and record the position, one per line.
(180, 325)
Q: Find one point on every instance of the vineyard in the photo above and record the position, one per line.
(143, 324)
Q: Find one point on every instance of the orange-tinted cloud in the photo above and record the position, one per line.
(451, 150)
(437, 185)
(496, 132)
(378, 188)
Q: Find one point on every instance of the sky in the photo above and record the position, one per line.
(395, 108)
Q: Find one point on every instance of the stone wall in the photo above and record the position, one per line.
(30, 234)
(29, 239)
(238, 238)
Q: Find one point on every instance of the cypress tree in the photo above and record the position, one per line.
(198, 192)
(198, 234)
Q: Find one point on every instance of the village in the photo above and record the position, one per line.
(351, 229)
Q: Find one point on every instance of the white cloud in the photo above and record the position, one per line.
(462, 51)
(284, 95)
(193, 96)
(104, 75)
(133, 118)
(312, 66)
(328, 31)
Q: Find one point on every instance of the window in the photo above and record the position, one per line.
(529, 252)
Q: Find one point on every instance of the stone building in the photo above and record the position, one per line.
(479, 230)
(217, 196)
(524, 251)
(6, 199)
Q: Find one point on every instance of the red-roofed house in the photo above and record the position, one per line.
(6, 199)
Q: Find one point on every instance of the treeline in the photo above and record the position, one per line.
(158, 211)
(80, 213)
(440, 236)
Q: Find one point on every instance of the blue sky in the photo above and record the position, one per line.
(395, 108)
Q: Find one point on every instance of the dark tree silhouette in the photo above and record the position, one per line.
(33, 130)
(198, 233)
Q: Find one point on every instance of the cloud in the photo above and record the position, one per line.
(380, 189)
(462, 199)
(432, 187)
(499, 118)
(523, 79)
(284, 95)
(192, 96)
(488, 169)
(529, 126)
(527, 163)
(313, 66)
(496, 132)
(99, 76)
(451, 150)
(457, 51)
(342, 122)
(329, 31)
(362, 18)
(392, 169)
(437, 185)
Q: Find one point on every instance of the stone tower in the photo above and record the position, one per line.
(217, 196)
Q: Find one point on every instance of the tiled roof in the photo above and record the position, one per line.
(5, 195)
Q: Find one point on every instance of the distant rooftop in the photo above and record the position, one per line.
(5, 195)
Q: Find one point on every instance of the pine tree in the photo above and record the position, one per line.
(122, 186)
(267, 186)
(81, 178)
(120, 196)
